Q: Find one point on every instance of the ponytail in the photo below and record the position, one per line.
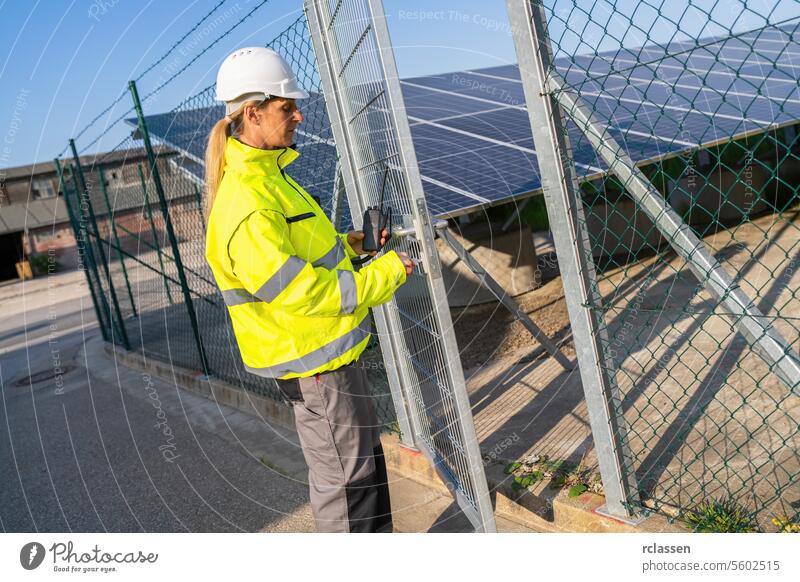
(215, 160)
(215, 150)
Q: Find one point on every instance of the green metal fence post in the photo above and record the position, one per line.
(116, 237)
(79, 244)
(105, 309)
(173, 239)
(200, 206)
(112, 291)
(149, 213)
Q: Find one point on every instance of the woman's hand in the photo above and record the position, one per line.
(355, 238)
(407, 262)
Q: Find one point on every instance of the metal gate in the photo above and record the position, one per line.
(370, 127)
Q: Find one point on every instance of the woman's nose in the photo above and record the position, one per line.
(298, 117)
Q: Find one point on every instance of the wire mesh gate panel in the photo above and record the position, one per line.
(687, 304)
(370, 127)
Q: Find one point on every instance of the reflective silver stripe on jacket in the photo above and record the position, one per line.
(286, 274)
(333, 257)
(347, 289)
(320, 356)
(233, 297)
(279, 281)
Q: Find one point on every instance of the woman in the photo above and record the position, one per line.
(299, 311)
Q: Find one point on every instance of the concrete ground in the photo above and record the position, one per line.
(90, 445)
(706, 417)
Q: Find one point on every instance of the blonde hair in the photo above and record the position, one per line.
(215, 150)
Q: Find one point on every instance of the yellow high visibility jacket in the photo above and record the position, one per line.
(297, 305)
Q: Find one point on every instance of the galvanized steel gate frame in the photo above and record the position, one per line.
(463, 471)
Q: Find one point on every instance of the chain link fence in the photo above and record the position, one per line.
(688, 113)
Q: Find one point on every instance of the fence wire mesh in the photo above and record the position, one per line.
(703, 337)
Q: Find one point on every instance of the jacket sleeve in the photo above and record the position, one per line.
(351, 254)
(268, 267)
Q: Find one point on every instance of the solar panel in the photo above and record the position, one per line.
(473, 137)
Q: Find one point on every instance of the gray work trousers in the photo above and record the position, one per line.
(340, 436)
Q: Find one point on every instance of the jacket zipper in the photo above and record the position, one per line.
(283, 175)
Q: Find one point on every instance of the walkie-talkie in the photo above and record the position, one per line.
(375, 220)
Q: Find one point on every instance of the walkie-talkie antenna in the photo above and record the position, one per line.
(383, 185)
(376, 220)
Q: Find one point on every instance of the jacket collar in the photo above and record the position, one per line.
(244, 159)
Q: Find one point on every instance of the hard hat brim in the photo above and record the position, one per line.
(297, 94)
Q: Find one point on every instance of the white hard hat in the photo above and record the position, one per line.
(255, 72)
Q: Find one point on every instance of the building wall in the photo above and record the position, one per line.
(60, 238)
(21, 190)
(21, 185)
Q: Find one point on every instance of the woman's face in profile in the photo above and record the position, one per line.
(278, 121)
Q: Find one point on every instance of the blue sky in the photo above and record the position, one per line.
(62, 62)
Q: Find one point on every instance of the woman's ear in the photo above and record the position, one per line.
(252, 114)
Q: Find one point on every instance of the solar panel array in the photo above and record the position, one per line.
(472, 134)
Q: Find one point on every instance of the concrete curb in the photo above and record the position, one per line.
(544, 511)
(211, 388)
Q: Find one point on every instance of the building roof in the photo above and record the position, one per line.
(88, 160)
(34, 214)
(19, 216)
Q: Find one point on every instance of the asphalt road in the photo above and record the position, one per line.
(88, 446)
